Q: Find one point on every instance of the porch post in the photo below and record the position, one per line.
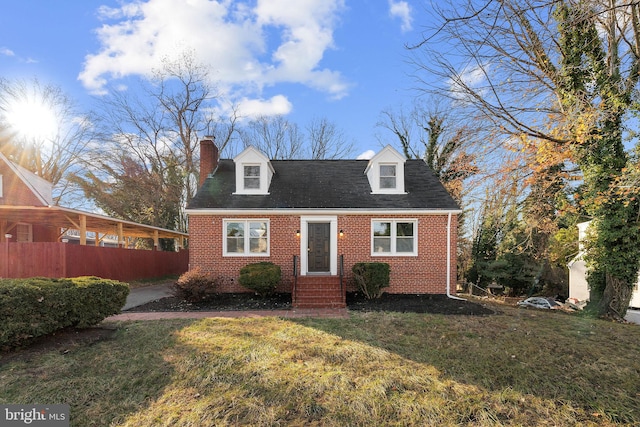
(83, 230)
(120, 236)
(7, 238)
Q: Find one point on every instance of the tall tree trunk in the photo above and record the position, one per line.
(615, 298)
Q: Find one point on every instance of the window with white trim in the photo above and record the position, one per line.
(252, 177)
(246, 237)
(387, 176)
(394, 237)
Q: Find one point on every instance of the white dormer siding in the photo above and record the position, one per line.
(253, 172)
(385, 172)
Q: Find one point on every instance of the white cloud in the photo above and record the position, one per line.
(6, 51)
(401, 10)
(367, 155)
(247, 45)
(252, 108)
(470, 77)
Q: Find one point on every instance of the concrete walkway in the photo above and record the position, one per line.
(145, 294)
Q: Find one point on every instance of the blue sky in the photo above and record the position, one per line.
(339, 59)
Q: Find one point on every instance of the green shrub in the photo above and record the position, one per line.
(39, 306)
(197, 286)
(371, 278)
(261, 277)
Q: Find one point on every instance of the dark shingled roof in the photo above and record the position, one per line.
(324, 184)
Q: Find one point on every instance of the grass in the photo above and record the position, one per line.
(521, 367)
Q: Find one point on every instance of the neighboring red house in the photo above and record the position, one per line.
(317, 218)
(20, 187)
(33, 233)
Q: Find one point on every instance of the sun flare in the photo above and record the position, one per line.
(32, 119)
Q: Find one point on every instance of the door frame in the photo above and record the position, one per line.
(333, 243)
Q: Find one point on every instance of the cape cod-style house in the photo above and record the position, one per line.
(317, 218)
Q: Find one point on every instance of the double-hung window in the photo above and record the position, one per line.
(246, 237)
(387, 177)
(394, 237)
(252, 177)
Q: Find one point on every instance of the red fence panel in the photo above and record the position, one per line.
(20, 260)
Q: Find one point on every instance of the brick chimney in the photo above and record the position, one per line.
(208, 158)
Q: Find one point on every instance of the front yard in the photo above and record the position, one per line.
(519, 367)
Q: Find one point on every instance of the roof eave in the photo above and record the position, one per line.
(322, 211)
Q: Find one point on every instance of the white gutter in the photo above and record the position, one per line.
(449, 260)
(321, 211)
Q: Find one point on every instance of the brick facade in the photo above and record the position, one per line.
(422, 274)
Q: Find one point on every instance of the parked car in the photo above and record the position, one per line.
(539, 302)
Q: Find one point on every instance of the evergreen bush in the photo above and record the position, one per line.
(39, 306)
(371, 278)
(261, 277)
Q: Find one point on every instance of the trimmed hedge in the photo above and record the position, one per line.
(371, 278)
(39, 306)
(261, 277)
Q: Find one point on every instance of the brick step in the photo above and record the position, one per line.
(321, 304)
(318, 299)
(318, 289)
(318, 281)
(318, 292)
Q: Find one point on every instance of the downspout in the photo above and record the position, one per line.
(449, 260)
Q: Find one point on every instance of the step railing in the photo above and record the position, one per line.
(295, 279)
(342, 291)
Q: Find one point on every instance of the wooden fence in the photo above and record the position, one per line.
(19, 260)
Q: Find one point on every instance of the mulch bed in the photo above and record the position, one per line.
(437, 304)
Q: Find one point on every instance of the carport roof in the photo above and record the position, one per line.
(56, 216)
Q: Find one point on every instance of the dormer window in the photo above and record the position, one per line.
(387, 176)
(252, 177)
(385, 172)
(253, 172)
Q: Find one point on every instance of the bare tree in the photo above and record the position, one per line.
(327, 141)
(55, 153)
(558, 79)
(275, 136)
(431, 135)
(160, 131)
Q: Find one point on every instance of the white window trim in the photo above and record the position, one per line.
(393, 237)
(1, 194)
(246, 238)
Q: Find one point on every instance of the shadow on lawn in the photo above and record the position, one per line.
(568, 359)
(105, 373)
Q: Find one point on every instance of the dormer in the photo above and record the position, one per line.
(253, 172)
(385, 172)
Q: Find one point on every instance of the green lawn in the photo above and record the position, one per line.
(521, 367)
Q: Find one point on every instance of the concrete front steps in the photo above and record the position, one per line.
(319, 292)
